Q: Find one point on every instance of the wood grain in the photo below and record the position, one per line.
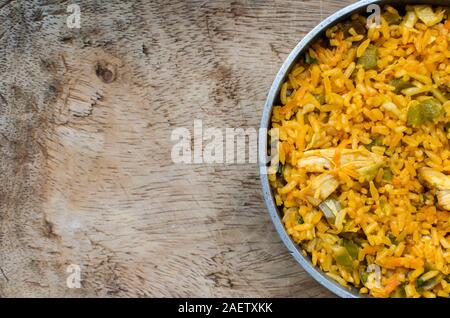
(85, 164)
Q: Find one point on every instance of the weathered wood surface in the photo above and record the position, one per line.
(86, 171)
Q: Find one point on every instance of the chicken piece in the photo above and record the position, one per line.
(363, 162)
(321, 188)
(443, 197)
(440, 182)
(330, 208)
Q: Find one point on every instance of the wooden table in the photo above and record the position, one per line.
(86, 117)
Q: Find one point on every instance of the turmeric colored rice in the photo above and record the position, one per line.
(363, 124)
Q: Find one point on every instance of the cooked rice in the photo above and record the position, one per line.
(333, 100)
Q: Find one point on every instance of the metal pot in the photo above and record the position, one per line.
(275, 214)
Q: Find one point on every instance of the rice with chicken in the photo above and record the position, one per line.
(364, 175)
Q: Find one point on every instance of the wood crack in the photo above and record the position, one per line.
(4, 274)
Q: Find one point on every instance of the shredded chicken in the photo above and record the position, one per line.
(321, 188)
(323, 160)
(440, 182)
(363, 162)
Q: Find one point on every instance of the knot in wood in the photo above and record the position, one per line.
(106, 72)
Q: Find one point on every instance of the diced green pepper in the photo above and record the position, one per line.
(280, 169)
(320, 99)
(431, 109)
(433, 282)
(430, 283)
(399, 292)
(391, 236)
(415, 117)
(299, 219)
(281, 182)
(309, 59)
(358, 238)
(387, 174)
(376, 142)
(419, 282)
(427, 110)
(355, 25)
(342, 256)
(370, 172)
(369, 59)
(392, 18)
(352, 248)
(363, 275)
(400, 85)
